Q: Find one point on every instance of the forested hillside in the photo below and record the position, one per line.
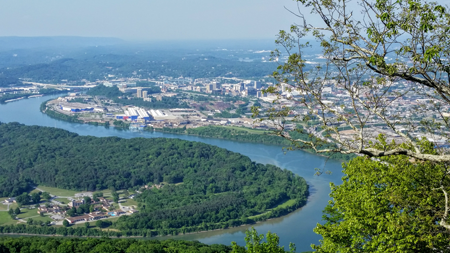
(206, 186)
(97, 66)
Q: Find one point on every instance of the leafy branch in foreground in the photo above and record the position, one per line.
(391, 205)
(393, 50)
(255, 243)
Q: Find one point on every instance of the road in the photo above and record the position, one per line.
(56, 86)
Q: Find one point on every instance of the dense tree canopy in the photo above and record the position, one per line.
(71, 245)
(257, 243)
(392, 205)
(154, 64)
(102, 90)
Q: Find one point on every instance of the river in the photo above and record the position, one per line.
(296, 227)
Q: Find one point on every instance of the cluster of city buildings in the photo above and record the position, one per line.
(405, 107)
(218, 85)
(287, 96)
(244, 88)
(19, 90)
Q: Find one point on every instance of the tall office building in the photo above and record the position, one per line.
(144, 94)
(216, 86)
(139, 93)
(239, 87)
(257, 85)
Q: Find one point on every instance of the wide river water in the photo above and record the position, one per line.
(296, 227)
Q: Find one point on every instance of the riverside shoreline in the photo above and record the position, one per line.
(281, 143)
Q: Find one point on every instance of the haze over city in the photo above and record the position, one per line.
(147, 20)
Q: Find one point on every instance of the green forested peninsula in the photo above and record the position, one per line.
(206, 187)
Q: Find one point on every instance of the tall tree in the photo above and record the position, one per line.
(65, 223)
(391, 205)
(46, 196)
(36, 197)
(255, 243)
(386, 61)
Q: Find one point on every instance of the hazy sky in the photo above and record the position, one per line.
(147, 19)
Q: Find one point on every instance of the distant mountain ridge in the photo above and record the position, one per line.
(15, 42)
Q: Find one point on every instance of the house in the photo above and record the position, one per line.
(42, 209)
(88, 217)
(75, 219)
(157, 186)
(103, 200)
(97, 216)
(9, 200)
(54, 209)
(76, 203)
(105, 203)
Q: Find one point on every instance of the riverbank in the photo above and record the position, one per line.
(247, 135)
(16, 97)
(240, 134)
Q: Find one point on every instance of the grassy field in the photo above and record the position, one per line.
(5, 207)
(106, 192)
(5, 219)
(26, 213)
(63, 200)
(290, 202)
(57, 191)
(130, 202)
(34, 190)
(282, 205)
(40, 218)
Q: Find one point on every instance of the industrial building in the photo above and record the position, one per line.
(134, 114)
(76, 109)
(157, 113)
(143, 114)
(131, 113)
